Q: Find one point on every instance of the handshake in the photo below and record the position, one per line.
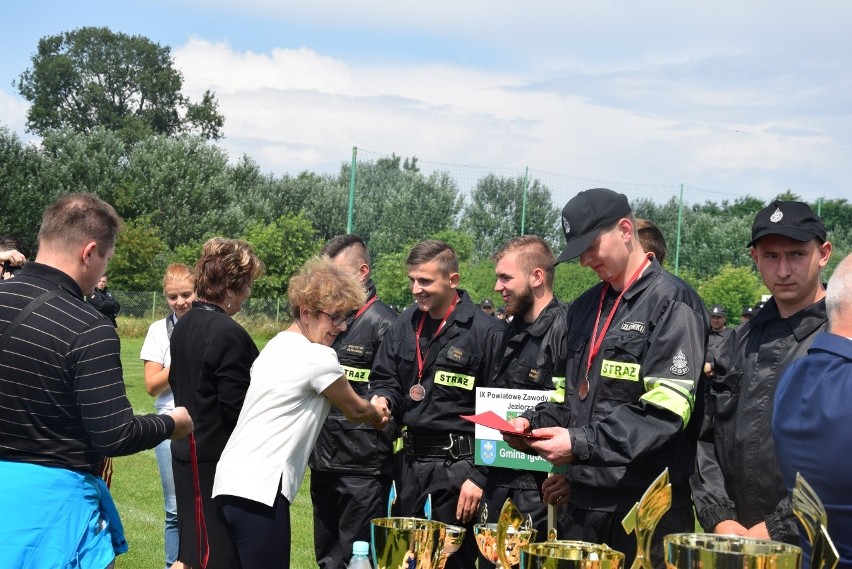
(380, 406)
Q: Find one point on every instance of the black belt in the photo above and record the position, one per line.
(452, 445)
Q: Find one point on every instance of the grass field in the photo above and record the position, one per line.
(138, 495)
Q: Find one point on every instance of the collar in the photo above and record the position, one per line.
(802, 324)
(44, 272)
(542, 324)
(463, 311)
(832, 343)
(370, 286)
(645, 279)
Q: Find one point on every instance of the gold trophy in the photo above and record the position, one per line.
(568, 554)
(645, 515)
(809, 509)
(708, 551)
(452, 542)
(501, 543)
(407, 543)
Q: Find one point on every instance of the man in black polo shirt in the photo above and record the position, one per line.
(64, 403)
(351, 462)
(427, 367)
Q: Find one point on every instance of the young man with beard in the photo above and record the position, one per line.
(351, 462)
(427, 368)
(636, 345)
(532, 357)
(737, 487)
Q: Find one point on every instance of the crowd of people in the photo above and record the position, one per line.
(641, 377)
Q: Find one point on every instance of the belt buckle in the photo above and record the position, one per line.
(450, 448)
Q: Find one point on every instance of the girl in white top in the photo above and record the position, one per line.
(294, 381)
(179, 290)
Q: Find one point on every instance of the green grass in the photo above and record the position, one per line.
(138, 495)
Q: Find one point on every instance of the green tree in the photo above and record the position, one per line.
(496, 208)
(94, 77)
(391, 278)
(138, 262)
(572, 280)
(283, 245)
(22, 196)
(733, 287)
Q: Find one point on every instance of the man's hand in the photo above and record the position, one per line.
(759, 531)
(521, 426)
(556, 448)
(555, 490)
(469, 498)
(13, 257)
(183, 423)
(380, 404)
(730, 527)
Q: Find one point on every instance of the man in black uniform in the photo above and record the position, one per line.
(351, 465)
(103, 300)
(636, 345)
(531, 357)
(719, 332)
(427, 367)
(738, 487)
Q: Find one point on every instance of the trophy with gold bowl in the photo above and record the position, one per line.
(407, 543)
(501, 543)
(568, 554)
(453, 539)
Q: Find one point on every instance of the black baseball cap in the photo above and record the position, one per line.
(718, 310)
(486, 303)
(795, 220)
(748, 311)
(586, 214)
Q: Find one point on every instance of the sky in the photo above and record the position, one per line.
(730, 98)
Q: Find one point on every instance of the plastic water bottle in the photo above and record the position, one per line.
(360, 556)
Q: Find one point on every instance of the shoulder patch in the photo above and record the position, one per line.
(679, 364)
(455, 354)
(633, 327)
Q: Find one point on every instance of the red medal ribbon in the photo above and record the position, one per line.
(420, 359)
(364, 308)
(596, 345)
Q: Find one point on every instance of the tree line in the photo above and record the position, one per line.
(113, 122)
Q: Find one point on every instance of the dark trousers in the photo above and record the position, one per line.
(261, 535)
(528, 502)
(416, 478)
(343, 507)
(218, 538)
(596, 526)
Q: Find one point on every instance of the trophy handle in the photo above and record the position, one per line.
(510, 515)
(645, 515)
(809, 509)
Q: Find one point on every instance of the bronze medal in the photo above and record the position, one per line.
(583, 389)
(417, 392)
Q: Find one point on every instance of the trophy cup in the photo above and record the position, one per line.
(809, 509)
(707, 551)
(453, 540)
(568, 554)
(406, 543)
(645, 515)
(501, 543)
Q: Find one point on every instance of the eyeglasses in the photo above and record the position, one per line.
(337, 319)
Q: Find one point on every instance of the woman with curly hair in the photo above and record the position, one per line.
(294, 382)
(212, 357)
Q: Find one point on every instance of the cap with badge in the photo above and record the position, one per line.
(795, 220)
(586, 214)
(718, 310)
(747, 312)
(486, 303)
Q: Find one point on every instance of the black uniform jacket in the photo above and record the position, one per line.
(457, 361)
(531, 357)
(639, 416)
(344, 446)
(738, 477)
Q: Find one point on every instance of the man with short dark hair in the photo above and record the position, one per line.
(636, 345)
(103, 300)
(531, 357)
(737, 486)
(64, 404)
(428, 366)
(719, 332)
(351, 463)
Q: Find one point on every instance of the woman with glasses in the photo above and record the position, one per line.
(212, 357)
(294, 382)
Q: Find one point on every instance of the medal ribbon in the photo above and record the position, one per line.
(364, 308)
(597, 341)
(420, 358)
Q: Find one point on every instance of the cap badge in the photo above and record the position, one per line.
(777, 216)
(566, 225)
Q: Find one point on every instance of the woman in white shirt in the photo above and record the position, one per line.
(179, 290)
(294, 381)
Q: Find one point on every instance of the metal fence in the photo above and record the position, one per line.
(152, 306)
